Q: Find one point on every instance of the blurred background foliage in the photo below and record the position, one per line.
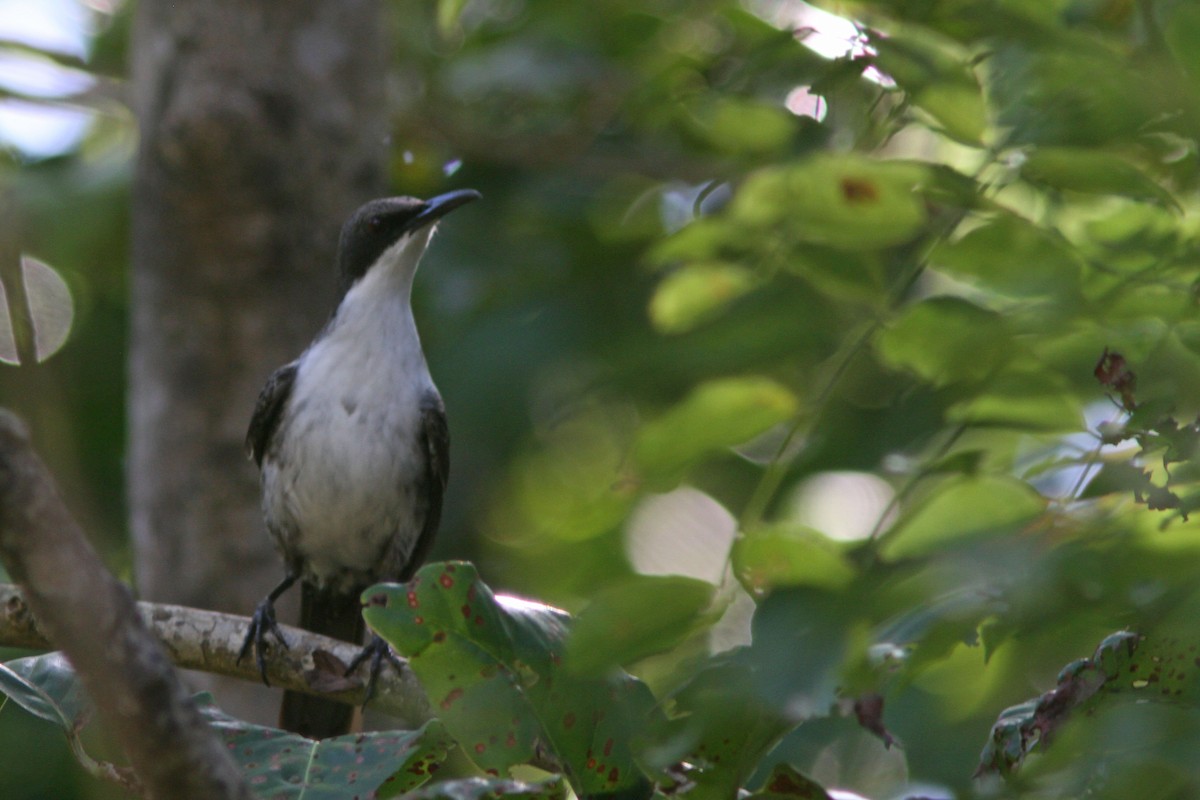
(805, 308)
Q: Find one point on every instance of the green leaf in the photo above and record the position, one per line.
(1012, 256)
(964, 510)
(1036, 401)
(719, 727)
(938, 78)
(47, 687)
(490, 667)
(696, 293)
(838, 199)
(1126, 667)
(1181, 30)
(803, 637)
(786, 783)
(716, 415)
(857, 276)
(448, 13)
(284, 765)
(635, 618)
(787, 556)
(1093, 172)
(550, 788)
(946, 340)
(741, 126)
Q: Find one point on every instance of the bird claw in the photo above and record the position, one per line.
(262, 622)
(376, 651)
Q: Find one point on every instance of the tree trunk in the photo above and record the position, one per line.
(262, 127)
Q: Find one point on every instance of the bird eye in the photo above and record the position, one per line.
(375, 223)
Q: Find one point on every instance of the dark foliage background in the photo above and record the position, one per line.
(819, 330)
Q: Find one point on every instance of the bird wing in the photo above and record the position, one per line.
(268, 411)
(435, 441)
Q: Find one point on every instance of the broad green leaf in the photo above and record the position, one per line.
(573, 486)
(741, 126)
(635, 618)
(857, 276)
(842, 200)
(704, 239)
(938, 79)
(1136, 237)
(1181, 30)
(551, 788)
(1034, 401)
(490, 667)
(1014, 257)
(718, 726)
(803, 638)
(1125, 668)
(717, 415)
(946, 340)
(696, 293)
(965, 510)
(284, 765)
(448, 13)
(47, 687)
(1092, 172)
(786, 783)
(783, 556)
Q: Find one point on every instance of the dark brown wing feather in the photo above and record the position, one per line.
(435, 439)
(268, 411)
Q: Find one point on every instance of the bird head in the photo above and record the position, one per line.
(391, 232)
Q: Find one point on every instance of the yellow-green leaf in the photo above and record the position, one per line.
(696, 293)
(965, 510)
(716, 415)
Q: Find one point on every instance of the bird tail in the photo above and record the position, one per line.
(330, 614)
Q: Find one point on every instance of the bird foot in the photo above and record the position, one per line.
(376, 651)
(262, 622)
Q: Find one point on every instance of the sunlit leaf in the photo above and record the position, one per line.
(697, 292)
(965, 510)
(777, 556)
(842, 200)
(745, 127)
(947, 340)
(1028, 400)
(1093, 172)
(448, 13)
(1012, 256)
(633, 619)
(935, 73)
(716, 415)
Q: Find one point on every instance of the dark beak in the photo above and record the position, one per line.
(440, 206)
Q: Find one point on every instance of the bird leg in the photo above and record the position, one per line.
(376, 651)
(263, 622)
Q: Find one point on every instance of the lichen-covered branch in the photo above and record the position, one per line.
(209, 641)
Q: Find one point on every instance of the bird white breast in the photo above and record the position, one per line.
(339, 490)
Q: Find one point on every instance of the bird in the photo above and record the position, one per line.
(352, 447)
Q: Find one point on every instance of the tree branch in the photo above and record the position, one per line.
(92, 617)
(209, 641)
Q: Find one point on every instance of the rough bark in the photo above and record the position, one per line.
(93, 619)
(262, 127)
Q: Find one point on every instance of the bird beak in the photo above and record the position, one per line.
(443, 204)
